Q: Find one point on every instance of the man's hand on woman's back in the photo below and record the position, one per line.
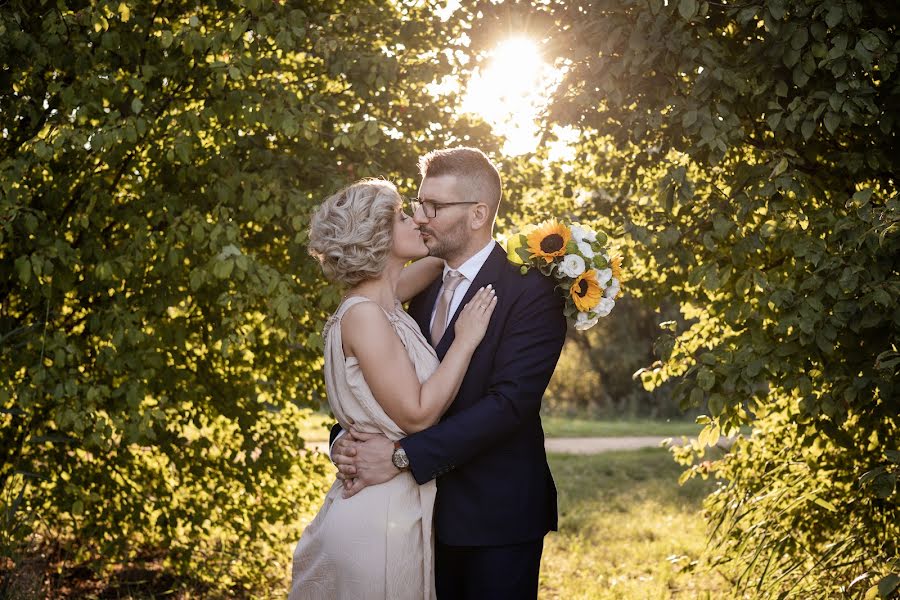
(363, 459)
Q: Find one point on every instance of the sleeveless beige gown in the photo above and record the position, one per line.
(378, 544)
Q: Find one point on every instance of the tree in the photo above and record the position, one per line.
(596, 372)
(159, 317)
(749, 151)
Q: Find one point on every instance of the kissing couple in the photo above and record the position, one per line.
(443, 489)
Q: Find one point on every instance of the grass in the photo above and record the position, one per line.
(628, 531)
(561, 426)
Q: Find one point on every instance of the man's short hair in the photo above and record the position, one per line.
(477, 175)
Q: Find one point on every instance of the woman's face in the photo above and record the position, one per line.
(408, 242)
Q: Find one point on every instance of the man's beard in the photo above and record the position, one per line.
(446, 248)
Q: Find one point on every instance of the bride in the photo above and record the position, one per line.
(381, 376)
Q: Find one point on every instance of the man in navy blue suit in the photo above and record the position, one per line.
(496, 497)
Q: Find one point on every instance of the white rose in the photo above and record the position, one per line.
(604, 307)
(613, 289)
(572, 266)
(603, 276)
(579, 233)
(582, 234)
(585, 249)
(582, 321)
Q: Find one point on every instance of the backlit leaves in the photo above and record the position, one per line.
(159, 315)
(782, 255)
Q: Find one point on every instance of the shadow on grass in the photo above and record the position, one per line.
(137, 583)
(617, 481)
(628, 531)
(36, 578)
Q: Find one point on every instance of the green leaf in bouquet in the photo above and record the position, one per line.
(600, 262)
(513, 256)
(553, 268)
(524, 254)
(514, 248)
(572, 248)
(602, 238)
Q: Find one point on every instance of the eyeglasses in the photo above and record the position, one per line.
(430, 208)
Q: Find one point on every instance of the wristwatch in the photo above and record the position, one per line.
(399, 458)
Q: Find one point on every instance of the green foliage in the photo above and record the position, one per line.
(159, 317)
(749, 152)
(596, 373)
(789, 493)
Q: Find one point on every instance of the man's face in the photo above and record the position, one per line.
(407, 242)
(446, 233)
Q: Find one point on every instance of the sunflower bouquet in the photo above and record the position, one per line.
(578, 258)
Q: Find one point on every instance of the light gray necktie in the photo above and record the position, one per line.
(442, 309)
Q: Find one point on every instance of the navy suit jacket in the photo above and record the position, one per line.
(494, 483)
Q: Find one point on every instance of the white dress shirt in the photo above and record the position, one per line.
(468, 270)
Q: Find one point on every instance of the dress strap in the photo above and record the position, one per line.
(346, 305)
(349, 302)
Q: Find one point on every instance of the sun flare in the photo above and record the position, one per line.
(511, 91)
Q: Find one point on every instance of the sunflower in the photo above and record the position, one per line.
(585, 291)
(549, 240)
(615, 263)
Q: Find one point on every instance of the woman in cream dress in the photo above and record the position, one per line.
(381, 376)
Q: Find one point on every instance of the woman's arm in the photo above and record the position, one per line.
(367, 334)
(417, 276)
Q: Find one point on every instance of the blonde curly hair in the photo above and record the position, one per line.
(351, 232)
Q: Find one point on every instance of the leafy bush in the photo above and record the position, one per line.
(749, 151)
(159, 317)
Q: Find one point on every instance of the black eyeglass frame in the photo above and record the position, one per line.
(415, 203)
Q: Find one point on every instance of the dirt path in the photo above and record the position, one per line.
(595, 445)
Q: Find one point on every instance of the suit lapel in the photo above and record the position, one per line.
(424, 308)
(489, 273)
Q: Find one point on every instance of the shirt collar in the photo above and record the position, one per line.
(470, 268)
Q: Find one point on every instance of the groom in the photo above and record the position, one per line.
(496, 497)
